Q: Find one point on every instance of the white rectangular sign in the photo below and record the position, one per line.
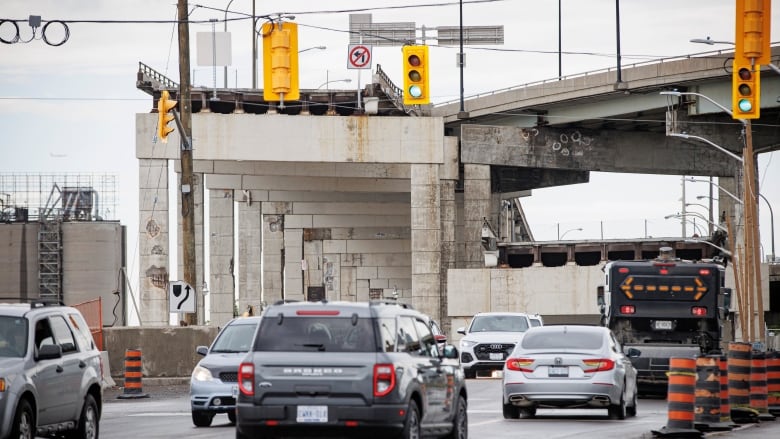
(181, 297)
(205, 47)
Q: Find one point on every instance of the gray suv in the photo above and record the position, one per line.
(349, 368)
(50, 373)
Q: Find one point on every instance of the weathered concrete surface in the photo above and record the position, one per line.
(167, 351)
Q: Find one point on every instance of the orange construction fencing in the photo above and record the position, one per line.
(92, 310)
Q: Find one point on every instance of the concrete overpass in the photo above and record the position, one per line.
(361, 205)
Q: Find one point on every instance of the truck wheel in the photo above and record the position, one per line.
(201, 419)
(24, 421)
(412, 423)
(460, 422)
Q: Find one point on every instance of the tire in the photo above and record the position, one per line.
(232, 417)
(470, 373)
(89, 421)
(511, 411)
(24, 421)
(201, 419)
(460, 423)
(527, 412)
(618, 411)
(631, 410)
(412, 423)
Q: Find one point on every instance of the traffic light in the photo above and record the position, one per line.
(752, 31)
(416, 80)
(164, 105)
(280, 62)
(745, 91)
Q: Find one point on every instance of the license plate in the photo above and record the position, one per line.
(312, 413)
(663, 324)
(234, 391)
(558, 371)
(496, 356)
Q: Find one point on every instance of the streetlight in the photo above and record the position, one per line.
(333, 80)
(312, 48)
(561, 235)
(215, 49)
(697, 215)
(733, 197)
(704, 241)
(711, 42)
(772, 222)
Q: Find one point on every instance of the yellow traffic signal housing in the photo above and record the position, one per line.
(416, 79)
(753, 28)
(280, 62)
(745, 91)
(164, 105)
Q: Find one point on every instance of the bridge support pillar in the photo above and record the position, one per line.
(250, 244)
(153, 244)
(476, 207)
(448, 245)
(221, 259)
(426, 238)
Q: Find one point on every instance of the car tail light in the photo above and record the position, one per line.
(627, 309)
(246, 379)
(598, 365)
(384, 379)
(519, 364)
(699, 311)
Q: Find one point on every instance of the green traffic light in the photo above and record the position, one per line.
(745, 105)
(415, 91)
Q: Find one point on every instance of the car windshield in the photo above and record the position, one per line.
(13, 337)
(306, 334)
(565, 339)
(499, 323)
(234, 338)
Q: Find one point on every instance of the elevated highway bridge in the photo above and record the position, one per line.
(351, 202)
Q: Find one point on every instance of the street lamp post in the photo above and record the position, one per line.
(704, 241)
(561, 235)
(215, 49)
(312, 48)
(696, 215)
(772, 223)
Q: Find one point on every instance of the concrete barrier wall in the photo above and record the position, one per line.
(167, 351)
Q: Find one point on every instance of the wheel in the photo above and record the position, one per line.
(88, 427)
(470, 373)
(511, 412)
(412, 424)
(527, 412)
(631, 410)
(24, 422)
(460, 423)
(618, 411)
(232, 417)
(201, 419)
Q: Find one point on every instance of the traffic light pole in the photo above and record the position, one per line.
(185, 127)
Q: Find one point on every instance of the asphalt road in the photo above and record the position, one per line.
(166, 414)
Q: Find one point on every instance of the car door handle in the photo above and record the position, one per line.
(82, 364)
(59, 369)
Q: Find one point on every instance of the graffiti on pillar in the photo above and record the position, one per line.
(157, 250)
(152, 228)
(328, 274)
(158, 276)
(566, 144)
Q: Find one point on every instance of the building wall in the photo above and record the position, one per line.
(92, 260)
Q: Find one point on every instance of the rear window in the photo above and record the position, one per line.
(315, 333)
(562, 340)
(498, 323)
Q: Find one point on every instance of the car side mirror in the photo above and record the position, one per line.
(461, 330)
(49, 352)
(633, 353)
(450, 352)
(202, 350)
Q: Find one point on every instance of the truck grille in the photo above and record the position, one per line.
(483, 351)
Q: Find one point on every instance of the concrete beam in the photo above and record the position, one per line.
(608, 151)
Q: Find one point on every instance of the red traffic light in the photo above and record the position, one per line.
(414, 60)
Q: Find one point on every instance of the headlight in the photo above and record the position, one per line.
(201, 374)
(465, 344)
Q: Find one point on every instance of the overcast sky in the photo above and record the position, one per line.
(71, 108)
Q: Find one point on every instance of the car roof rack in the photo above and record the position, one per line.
(375, 302)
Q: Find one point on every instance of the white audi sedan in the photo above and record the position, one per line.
(569, 366)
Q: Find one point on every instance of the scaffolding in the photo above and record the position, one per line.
(50, 200)
(61, 197)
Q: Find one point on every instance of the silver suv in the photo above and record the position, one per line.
(489, 339)
(50, 373)
(361, 368)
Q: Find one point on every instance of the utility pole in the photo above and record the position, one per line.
(187, 187)
(752, 239)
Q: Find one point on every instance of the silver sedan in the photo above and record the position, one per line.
(569, 366)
